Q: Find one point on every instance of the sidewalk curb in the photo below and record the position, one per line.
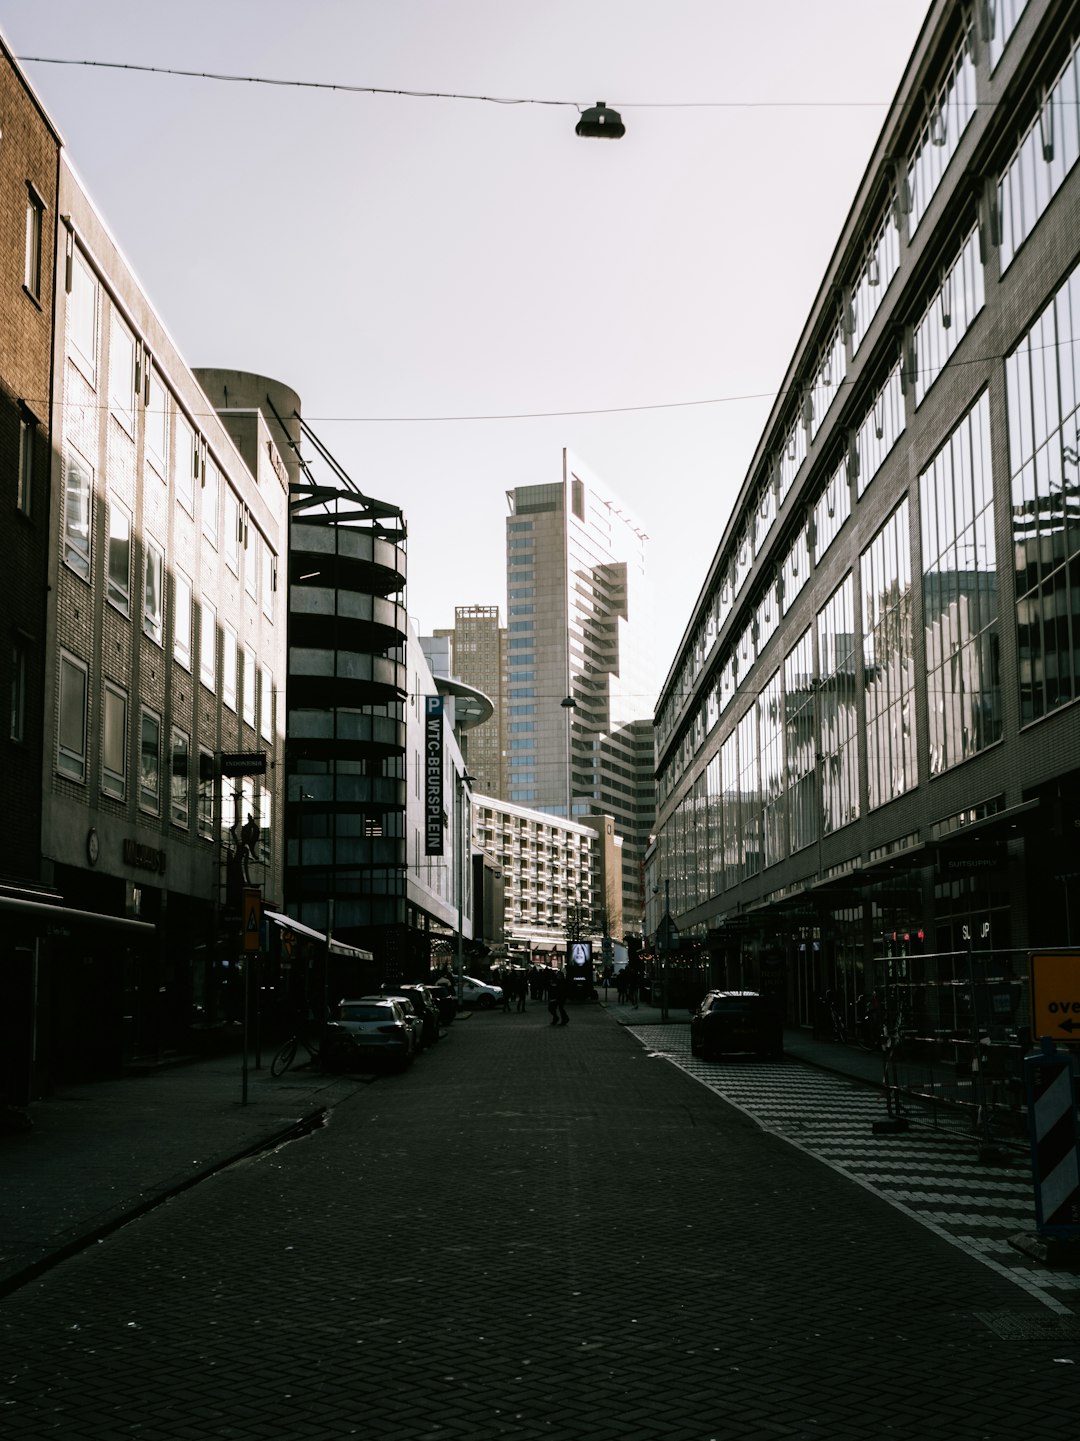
(302, 1126)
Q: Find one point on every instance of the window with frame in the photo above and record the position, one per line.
(150, 763)
(249, 686)
(228, 667)
(888, 661)
(114, 742)
(182, 619)
(268, 575)
(78, 497)
(1046, 154)
(122, 373)
(208, 645)
(24, 485)
(205, 818)
(82, 312)
(252, 543)
(18, 690)
(179, 779)
(210, 488)
(233, 527)
(35, 230)
(266, 706)
(185, 461)
(71, 719)
(153, 592)
(119, 557)
(156, 422)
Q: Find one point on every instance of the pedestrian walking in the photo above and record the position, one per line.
(557, 999)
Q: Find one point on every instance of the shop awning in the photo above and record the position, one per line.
(62, 915)
(337, 948)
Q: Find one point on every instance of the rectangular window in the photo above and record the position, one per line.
(881, 428)
(157, 425)
(253, 544)
(122, 374)
(119, 561)
(800, 743)
(831, 510)
(206, 794)
(266, 706)
(522, 625)
(114, 742)
(1042, 384)
(182, 619)
(249, 686)
(522, 710)
(83, 316)
(184, 463)
(228, 667)
(179, 781)
(71, 734)
(153, 593)
(78, 495)
(522, 692)
(232, 530)
(960, 595)
(953, 305)
(210, 489)
(150, 763)
(18, 691)
(889, 661)
(208, 646)
(838, 714)
(949, 111)
(35, 225)
(268, 578)
(1045, 155)
(24, 492)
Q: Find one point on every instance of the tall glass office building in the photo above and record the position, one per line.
(868, 743)
(578, 629)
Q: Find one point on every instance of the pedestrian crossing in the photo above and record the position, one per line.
(934, 1177)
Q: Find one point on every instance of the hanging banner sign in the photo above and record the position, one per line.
(433, 775)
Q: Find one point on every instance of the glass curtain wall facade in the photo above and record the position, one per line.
(579, 630)
(883, 763)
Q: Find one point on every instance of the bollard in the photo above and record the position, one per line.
(1055, 1140)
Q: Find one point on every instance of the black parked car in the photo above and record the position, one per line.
(729, 1021)
(425, 1007)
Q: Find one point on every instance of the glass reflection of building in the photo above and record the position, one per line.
(860, 753)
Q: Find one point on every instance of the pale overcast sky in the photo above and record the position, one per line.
(395, 257)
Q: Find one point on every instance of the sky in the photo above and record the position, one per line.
(458, 289)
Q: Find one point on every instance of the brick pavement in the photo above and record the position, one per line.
(534, 1233)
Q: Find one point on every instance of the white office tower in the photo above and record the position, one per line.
(580, 629)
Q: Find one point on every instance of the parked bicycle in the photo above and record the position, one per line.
(286, 1056)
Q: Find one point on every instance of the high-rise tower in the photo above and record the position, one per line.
(580, 690)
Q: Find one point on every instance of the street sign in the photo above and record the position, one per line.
(1055, 994)
(667, 934)
(252, 919)
(243, 763)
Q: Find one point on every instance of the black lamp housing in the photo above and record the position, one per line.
(600, 123)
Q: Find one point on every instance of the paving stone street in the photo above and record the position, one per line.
(535, 1232)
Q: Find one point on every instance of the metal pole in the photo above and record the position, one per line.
(666, 926)
(459, 864)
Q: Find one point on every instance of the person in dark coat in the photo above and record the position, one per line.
(557, 999)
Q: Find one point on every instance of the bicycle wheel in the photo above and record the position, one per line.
(284, 1058)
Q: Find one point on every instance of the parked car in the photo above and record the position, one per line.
(477, 993)
(445, 999)
(728, 1021)
(412, 1014)
(379, 1030)
(423, 1003)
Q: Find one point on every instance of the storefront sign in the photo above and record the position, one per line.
(143, 857)
(433, 775)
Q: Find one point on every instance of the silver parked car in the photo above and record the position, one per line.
(379, 1030)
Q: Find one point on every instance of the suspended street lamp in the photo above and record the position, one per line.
(600, 123)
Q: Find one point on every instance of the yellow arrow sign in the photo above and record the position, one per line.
(1055, 994)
